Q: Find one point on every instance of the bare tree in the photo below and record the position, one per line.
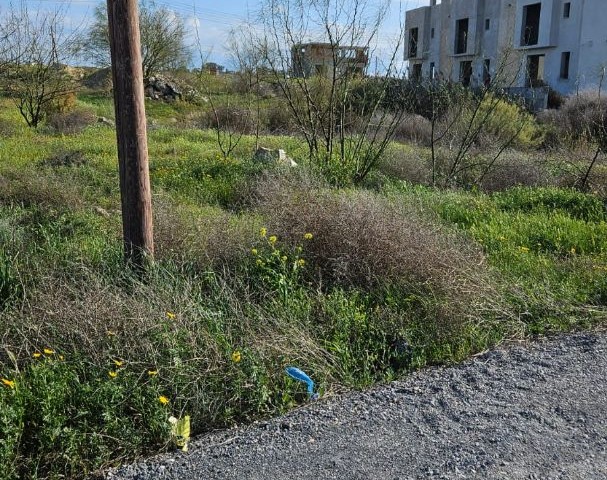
(599, 131)
(460, 116)
(38, 49)
(163, 45)
(344, 143)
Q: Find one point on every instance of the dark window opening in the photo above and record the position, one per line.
(465, 72)
(432, 71)
(487, 72)
(432, 32)
(461, 36)
(565, 57)
(531, 24)
(535, 70)
(416, 72)
(487, 23)
(566, 9)
(413, 35)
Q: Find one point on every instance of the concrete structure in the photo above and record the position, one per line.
(310, 59)
(524, 43)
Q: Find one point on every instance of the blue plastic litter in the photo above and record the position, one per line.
(298, 374)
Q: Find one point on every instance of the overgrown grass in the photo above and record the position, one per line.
(257, 268)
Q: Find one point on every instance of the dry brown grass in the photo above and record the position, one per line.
(71, 121)
(361, 238)
(209, 237)
(27, 187)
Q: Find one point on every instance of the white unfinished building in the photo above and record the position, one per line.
(562, 44)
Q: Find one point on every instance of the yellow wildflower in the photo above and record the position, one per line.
(8, 383)
(162, 399)
(572, 250)
(301, 262)
(263, 231)
(61, 357)
(284, 258)
(254, 251)
(112, 373)
(236, 356)
(259, 262)
(170, 315)
(151, 373)
(272, 239)
(36, 355)
(523, 249)
(118, 363)
(308, 236)
(48, 351)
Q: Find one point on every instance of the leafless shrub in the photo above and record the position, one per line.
(414, 128)
(209, 236)
(406, 164)
(514, 169)
(239, 120)
(277, 120)
(66, 158)
(361, 238)
(580, 119)
(28, 188)
(71, 122)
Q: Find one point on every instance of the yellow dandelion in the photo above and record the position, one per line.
(151, 373)
(61, 357)
(112, 373)
(254, 251)
(162, 399)
(118, 363)
(236, 356)
(523, 249)
(8, 383)
(272, 239)
(308, 236)
(263, 231)
(572, 250)
(48, 351)
(170, 315)
(36, 355)
(301, 262)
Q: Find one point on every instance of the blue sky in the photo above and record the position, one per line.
(213, 19)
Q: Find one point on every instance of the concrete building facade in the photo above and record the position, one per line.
(325, 59)
(524, 43)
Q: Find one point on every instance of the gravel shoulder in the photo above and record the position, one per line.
(526, 411)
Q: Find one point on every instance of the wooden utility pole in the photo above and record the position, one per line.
(127, 75)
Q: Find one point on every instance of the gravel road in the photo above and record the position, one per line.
(535, 411)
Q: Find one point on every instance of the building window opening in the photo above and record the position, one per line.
(461, 36)
(413, 36)
(565, 57)
(432, 32)
(465, 72)
(487, 72)
(416, 72)
(566, 9)
(531, 24)
(487, 23)
(535, 70)
(432, 71)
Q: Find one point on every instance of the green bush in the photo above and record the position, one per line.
(62, 418)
